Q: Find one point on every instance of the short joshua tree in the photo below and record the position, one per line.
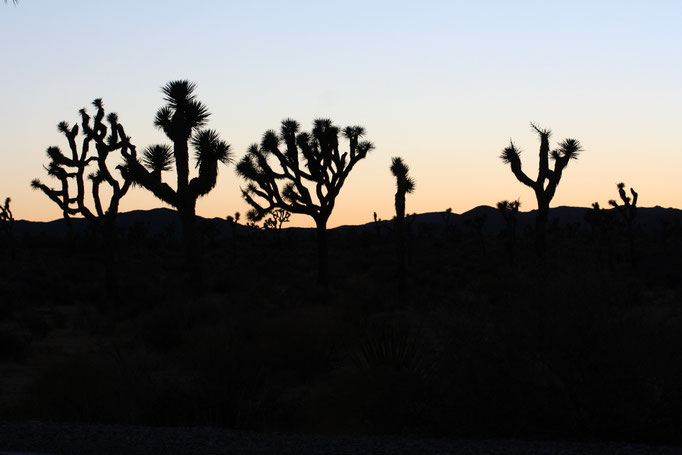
(71, 171)
(181, 120)
(305, 176)
(509, 210)
(546, 183)
(6, 225)
(627, 212)
(404, 185)
(275, 221)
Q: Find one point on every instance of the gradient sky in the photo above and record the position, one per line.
(443, 84)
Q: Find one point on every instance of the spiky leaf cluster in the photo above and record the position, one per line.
(400, 170)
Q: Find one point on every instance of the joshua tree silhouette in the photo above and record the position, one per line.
(6, 225)
(72, 169)
(275, 222)
(233, 222)
(547, 180)
(509, 210)
(308, 158)
(628, 212)
(404, 185)
(181, 119)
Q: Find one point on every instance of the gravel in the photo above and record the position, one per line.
(75, 439)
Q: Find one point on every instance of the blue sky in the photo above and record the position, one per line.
(444, 85)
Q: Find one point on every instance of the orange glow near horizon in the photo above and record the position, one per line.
(443, 85)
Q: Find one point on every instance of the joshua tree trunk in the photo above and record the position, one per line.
(322, 263)
(187, 213)
(541, 230)
(400, 237)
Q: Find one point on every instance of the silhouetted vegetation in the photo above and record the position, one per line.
(71, 170)
(509, 210)
(6, 225)
(181, 120)
(307, 159)
(547, 180)
(404, 185)
(627, 212)
(475, 349)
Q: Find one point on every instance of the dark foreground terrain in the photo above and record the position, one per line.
(585, 348)
(121, 439)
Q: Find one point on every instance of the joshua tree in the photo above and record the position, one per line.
(509, 210)
(307, 160)
(233, 222)
(6, 225)
(628, 212)
(71, 170)
(377, 225)
(547, 180)
(181, 119)
(404, 185)
(275, 221)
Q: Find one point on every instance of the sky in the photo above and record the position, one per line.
(443, 84)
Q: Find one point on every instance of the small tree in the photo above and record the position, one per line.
(547, 180)
(233, 222)
(628, 213)
(275, 222)
(509, 210)
(311, 172)
(6, 225)
(181, 119)
(404, 185)
(71, 170)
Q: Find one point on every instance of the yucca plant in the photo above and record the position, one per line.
(546, 183)
(305, 176)
(71, 172)
(181, 120)
(404, 185)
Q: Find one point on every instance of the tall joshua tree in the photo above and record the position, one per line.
(547, 180)
(181, 119)
(628, 212)
(404, 185)
(307, 176)
(70, 170)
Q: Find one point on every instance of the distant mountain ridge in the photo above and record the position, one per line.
(160, 220)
